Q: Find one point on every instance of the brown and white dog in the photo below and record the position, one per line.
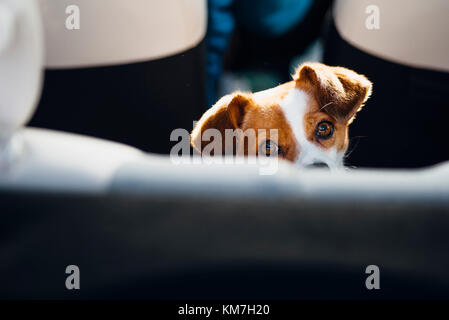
(311, 114)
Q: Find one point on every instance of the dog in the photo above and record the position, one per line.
(310, 116)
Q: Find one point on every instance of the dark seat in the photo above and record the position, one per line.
(231, 233)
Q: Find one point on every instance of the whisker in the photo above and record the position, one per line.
(325, 105)
(355, 146)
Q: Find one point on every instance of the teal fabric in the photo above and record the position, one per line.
(270, 17)
(263, 17)
(221, 24)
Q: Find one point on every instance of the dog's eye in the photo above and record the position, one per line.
(324, 130)
(269, 148)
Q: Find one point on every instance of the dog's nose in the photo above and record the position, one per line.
(318, 165)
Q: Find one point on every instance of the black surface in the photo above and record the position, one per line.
(138, 104)
(193, 248)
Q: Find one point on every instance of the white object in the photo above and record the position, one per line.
(6, 26)
(35, 158)
(119, 31)
(410, 32)
(63, 162)
(21, 58)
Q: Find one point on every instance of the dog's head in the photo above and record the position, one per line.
(311, 115)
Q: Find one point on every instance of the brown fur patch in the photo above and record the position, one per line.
(340, 92)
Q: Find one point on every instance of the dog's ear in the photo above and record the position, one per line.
(227, 113)
(339, 91)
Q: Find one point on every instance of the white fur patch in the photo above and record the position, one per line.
(295, 106)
